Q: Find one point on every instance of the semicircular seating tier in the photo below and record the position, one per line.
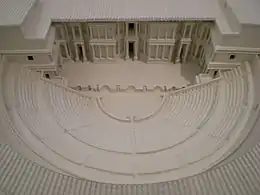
(87, 137)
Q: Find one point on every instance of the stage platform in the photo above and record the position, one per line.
(127, 73)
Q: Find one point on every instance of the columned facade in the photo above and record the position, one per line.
(202, 47)
(62, 41)
(160, 40)
(77, 41)
(176, 41)
(102, 41)
(184, 39)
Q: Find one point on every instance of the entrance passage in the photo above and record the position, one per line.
(80, 52)
(131, 50)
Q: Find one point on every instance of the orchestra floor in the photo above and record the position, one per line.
(126, 73)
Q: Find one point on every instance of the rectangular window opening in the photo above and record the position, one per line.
(30, 57)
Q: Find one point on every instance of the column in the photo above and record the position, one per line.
(201, 32)
(80, 32)
(76, 52)
(66, 50)
(106, 47)
(126, 29)
(126, 50)
(93, 53)
(173, 33)
(105, 32)
(68, 41)
(191, 29)
(196, 50)
(184, 30)
(136, 50)
(118, 38)
(170, 53)
(163, 51)
(144, 49)
(83, 53)
(97, 29)
(100, 52)
(156, 51)
(73, 32)
(148, 52)
(186, 52)
(62, 32)
(177, 60)
(90, 32)
(149, 31)
(114, 51)
(136, 29)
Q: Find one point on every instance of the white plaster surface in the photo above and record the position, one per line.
(127, 73)
(95, 143)
(12, 12)
(48, 10)
(247, 12)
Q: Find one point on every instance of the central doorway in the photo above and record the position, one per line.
(131, 50)
(80, 53)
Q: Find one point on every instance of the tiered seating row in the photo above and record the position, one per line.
(21, 176)
(87, 124)
(139, 154)
(190, 108)
(71, 110)
(171, 124)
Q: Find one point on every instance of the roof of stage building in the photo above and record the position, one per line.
(133, 9)
(13, 12)
(38, 21)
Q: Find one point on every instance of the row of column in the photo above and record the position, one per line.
(163, 58)
(75, 46)
(99, 54)
(182, 52)
(135, 48)
(80, 52)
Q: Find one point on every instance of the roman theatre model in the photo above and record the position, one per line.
(129, 97)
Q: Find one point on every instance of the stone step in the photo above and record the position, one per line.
(21, 176)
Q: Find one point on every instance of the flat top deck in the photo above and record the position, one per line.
(12, 12)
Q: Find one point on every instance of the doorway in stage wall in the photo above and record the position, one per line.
(183, 53)
(80, 52)
(131, 50)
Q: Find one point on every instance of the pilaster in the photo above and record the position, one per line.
(178, 58)
(93, 53)
(76, 52)
(136, 50)
(126, 50)
(83, 53)
(170, 53)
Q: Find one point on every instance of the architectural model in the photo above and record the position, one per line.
(129, 97)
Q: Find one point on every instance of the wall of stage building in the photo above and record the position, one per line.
(29, 58)
(32, 52)
(202, 49)
(149, 41)
(12, 38)
(234, 49)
